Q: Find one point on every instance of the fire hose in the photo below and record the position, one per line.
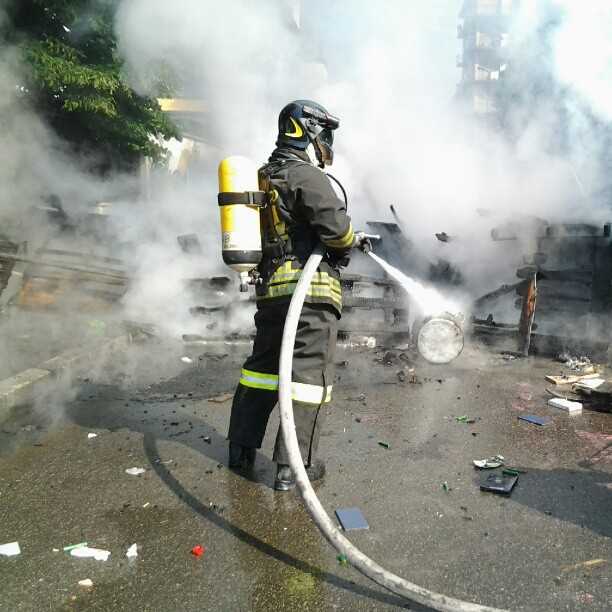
(354, 556)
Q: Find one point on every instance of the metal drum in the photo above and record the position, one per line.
(440, 337)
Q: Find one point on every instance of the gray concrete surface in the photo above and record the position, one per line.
(262, 551)
(29, 385)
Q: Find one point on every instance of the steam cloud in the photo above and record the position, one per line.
(388, 70)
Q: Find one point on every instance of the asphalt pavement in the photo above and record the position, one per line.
(428, 519)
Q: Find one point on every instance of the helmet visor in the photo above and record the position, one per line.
(327, 137)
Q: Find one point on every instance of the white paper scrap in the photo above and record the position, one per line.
(86, 583)
(90, 553)
(132, 551)
(92, 435)
(186, 359)
(135, 471)
(10, 550)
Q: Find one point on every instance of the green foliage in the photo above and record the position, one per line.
(74, 79)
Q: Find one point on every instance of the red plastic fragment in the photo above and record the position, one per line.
(197, 551)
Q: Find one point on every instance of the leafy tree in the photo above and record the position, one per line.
(73, 78)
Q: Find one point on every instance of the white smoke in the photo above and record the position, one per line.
(388, 70)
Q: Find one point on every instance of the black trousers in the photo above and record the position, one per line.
(312, 378)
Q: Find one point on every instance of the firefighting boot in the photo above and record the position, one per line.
(285, 479)
(241, 457)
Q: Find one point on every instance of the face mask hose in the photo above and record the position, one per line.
(355, 557)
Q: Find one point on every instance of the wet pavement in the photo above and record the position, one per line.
(262, 551)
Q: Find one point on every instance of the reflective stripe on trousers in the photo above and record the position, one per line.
(300, 392)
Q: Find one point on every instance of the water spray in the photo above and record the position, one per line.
(355, 557)
(439, 331)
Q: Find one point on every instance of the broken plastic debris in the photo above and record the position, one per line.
(462, 419)
(536, 420)
(186, 359)
(592, 383)
(88, 583)
(84, 552)
(10, 550)
(92, 435)
(73, 546)
(490, 463)
(197, 551)
(592, 563)
(445, 486)
(565, 404)
(342, 560)
(132, 551)
(496, 483)
(219, 399)
(135, 471)
(55, 549)
(146, 505)
(351, 518)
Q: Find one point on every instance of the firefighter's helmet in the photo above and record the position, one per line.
(304, 122)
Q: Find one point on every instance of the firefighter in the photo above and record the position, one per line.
(303, 211)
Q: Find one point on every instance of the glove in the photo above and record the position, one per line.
(362, 242)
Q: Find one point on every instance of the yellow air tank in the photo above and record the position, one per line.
(240, 201)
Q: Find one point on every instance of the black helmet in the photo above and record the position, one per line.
(303, 122)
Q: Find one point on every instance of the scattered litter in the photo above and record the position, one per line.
(445, 487)
(584, 565)
(389, 358)
(132, 551)
(10, 550)
(565, 404)
(186, 359)
(512, 472)
(55, 549)
(496, 483)
(536, 420)
(197, 551)
(567, 379)
(409, 375)
(207, 439)
(490, 463)
(384, 444)
(589, 383)
(146, 505)
(342, 560)
(219, 399)
(92, 435)
(462, 419)
(84, 552)
(574, 363)
(73, 546)
(351, 518)
(88, 583)
(135, 471)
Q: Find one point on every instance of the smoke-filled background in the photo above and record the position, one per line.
(389, 71)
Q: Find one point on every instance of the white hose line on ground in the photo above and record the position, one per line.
(355, 557)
